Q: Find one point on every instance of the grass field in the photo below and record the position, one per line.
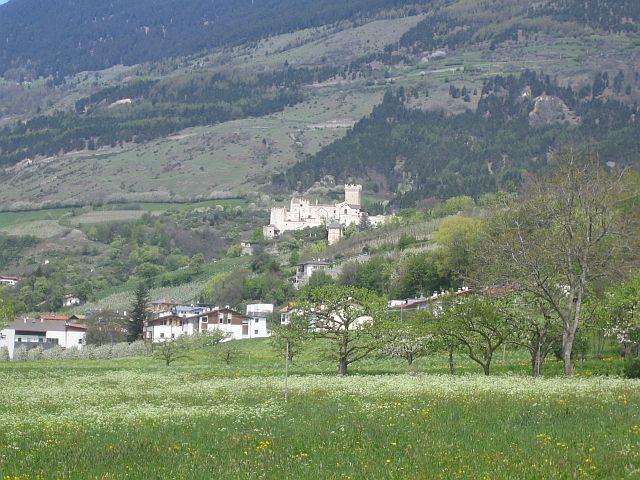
(48, 222)
(203, 419)
(9, 219)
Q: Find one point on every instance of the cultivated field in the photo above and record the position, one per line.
(200, 418)
(123, 296)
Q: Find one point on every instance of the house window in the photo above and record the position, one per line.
(255, 332)
(204, 319)
(40, 340)
(162, 335)
(173, 335)
(19, 340)
(80, 342)
(257, 320)
(163, 322)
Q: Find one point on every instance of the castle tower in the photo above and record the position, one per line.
(334, 233)
(352, 195)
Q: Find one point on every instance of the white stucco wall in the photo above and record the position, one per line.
(7, 337)
(69, 339)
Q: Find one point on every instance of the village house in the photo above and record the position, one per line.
(45, 332)
(9, 281)
(424, 303)
(70, 300)
(435, 300)
(304, 270)
(316, 324)
(164, 305)
(302, 214)
(180, 321)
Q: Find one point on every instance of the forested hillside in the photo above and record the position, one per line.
(429, 153)
(61, 37)
(499, 21)
(214, 89)
(148, 109)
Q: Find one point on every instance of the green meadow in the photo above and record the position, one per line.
(202, 418)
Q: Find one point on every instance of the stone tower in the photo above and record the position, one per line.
(334, 233)
(352, 194)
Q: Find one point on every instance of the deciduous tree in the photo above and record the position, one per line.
(351, 318)
(563, 232)
(474, 323)
(622, 305)
(6, 312)
(289, 338)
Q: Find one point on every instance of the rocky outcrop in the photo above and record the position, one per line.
(548, 110)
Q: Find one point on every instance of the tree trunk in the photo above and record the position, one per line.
(567, 347)
(485, 367)
(536, 363)
(342, 366)
(451, 370)
(342, 363)
(536, 359)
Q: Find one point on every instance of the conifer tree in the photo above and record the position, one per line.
(138, 313)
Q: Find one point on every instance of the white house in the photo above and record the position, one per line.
(70, 300)
(10, 281)
(46, 333)
(259, 314)
(190, 320)
(304, 271)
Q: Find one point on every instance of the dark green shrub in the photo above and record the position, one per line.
(631, 368)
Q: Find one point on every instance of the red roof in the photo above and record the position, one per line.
(55, 317)
(78, 326)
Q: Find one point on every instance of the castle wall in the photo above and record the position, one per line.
(278, 215)
(301, 214)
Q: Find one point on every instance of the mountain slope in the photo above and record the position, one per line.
(420, 154)
(235, 119)
(61, 37)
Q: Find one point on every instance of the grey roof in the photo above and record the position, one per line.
(35, 325)
(314, 262)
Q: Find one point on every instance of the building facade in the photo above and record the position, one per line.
(303, 214)
(180, 321)
(10, 281)
(30, 333)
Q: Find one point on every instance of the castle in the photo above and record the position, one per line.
(302, 214)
